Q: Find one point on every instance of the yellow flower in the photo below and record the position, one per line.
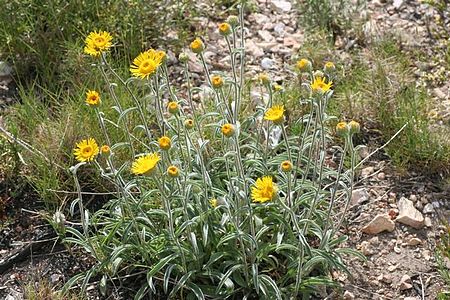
(354, 127)
(264, 78)
(145, 164)
(225, 29)
(227, 130)
(319, 85)
(286, 166)
(146, 64)
(173, 171)
(341, 128)
(197, 46)
(86, 150)
(304, 65)
(275, 114)
(264, 190)
(216, 81)
(97, 42)
(329, 67)
(213, 202)
(173, 107)
(162, 55)
(277, 87)
(105, 149)
(189, 123)
(92, 98)
(164, 143)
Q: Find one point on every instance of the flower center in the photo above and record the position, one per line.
(147, 66)
(100, 41)
(267, 192)
(87, 150)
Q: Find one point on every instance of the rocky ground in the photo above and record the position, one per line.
(393, 220)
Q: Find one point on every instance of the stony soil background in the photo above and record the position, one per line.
(393, 219)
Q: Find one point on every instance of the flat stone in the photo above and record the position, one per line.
(265, 35)
(379, 224)
(408, 214)
(254, 49)
(367, 171)
(359, 196)
(405, 283)
(414, 241)
(281, 6)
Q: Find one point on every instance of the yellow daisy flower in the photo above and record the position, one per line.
(97, 42)
(264, 190)
(92, 98)
(319, 85)
(216, 81)
(146, 63)
(286, 166)
(275, 114)
(162, 55)
(197, 46)
(227, 130)
(145, 164)
(173, 171)
(86, 150)
(164, 143)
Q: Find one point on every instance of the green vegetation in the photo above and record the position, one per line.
(43, 38)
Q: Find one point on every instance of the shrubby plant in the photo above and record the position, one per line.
(212, 204)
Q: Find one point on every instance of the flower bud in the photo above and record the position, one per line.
(228, 130)
(197, 46)
(354, 127)
(304, 65)
(173, 107)
(183, 57)
(286, 166)
(216, 81)
(329, 67)
(173, 171)
(189, 123)
(105, 149)
(318, 73)
(341, 129)
(164, 143)
(233, 20)
(225, 29)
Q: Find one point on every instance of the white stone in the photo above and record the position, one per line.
(427, 221)
(414, 241)
(366, 248)
(428, 209)
(408, 214)
(281, 6)
(397, 3)
(266, 63)
(379, 224)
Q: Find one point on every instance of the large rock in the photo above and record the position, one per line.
(379, 224)
(408, 214)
